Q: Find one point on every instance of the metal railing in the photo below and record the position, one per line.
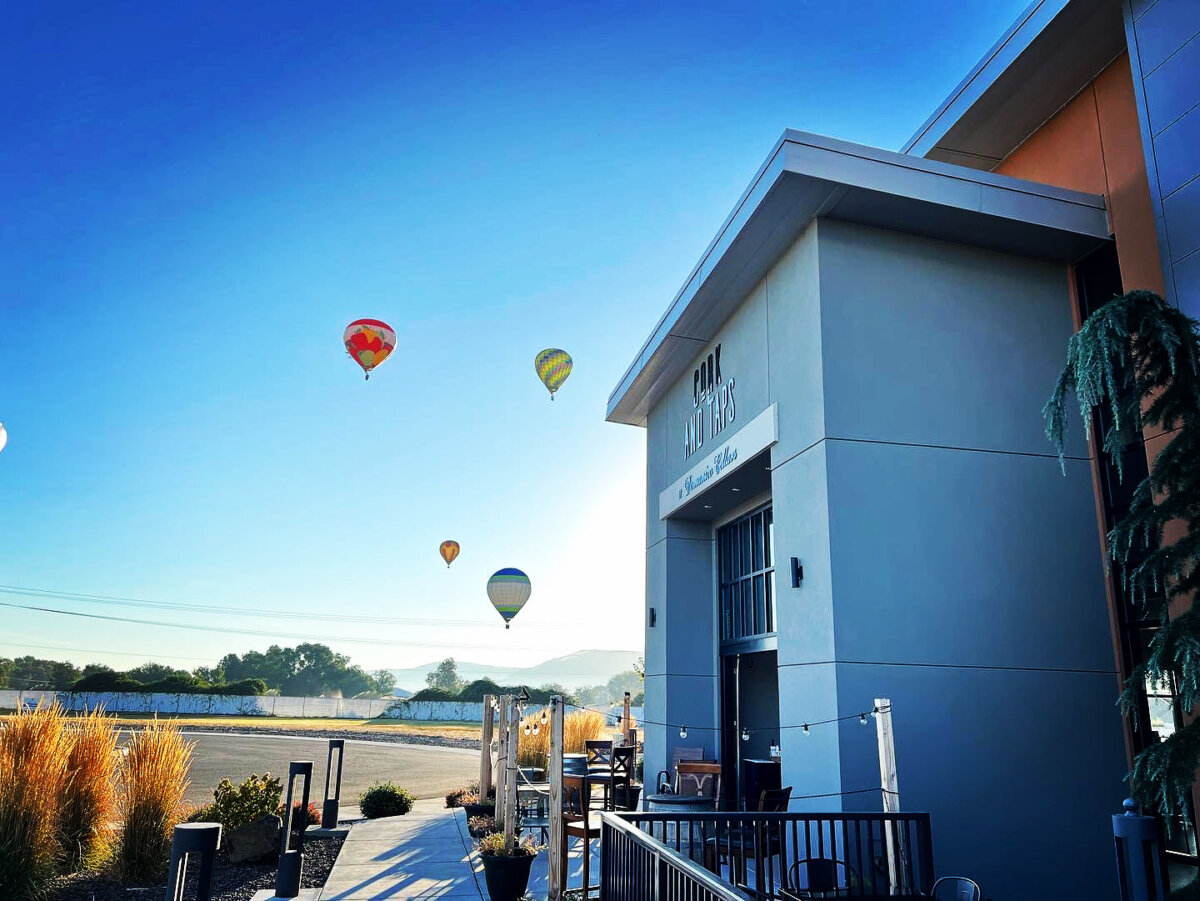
(765, 856)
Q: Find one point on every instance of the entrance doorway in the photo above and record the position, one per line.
(749, 662)
(749, 721)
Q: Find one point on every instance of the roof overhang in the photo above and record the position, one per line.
(807, 176)
(1053, 50)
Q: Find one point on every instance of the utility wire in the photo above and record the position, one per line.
(261, 633)
(110, 600)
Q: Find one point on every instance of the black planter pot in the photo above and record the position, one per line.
(627, 798)
(507, 877)
(479, 810)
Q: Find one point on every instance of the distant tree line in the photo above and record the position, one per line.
(443, 684)
(308, 669)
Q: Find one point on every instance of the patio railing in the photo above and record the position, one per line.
(766, 856)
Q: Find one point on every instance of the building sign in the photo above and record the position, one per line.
(713, 406)
(754, 437)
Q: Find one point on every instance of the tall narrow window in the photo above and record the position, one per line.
(746, 573)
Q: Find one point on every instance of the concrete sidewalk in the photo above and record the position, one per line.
(425, 854)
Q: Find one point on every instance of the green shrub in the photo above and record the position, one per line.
(236, 805)
(385, 799)
(107, 681)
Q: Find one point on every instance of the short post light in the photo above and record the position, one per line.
(291, 860)
(333, 784)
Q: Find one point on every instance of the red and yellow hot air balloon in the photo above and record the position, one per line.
(449, 550)
(369, 342)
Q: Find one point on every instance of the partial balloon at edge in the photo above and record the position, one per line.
(509, 589)
(3, 436)
(369, 342)
(449, 551)
(553, 366)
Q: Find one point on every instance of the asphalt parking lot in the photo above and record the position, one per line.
(426, 771)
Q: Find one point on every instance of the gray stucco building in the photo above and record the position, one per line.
(851, 381)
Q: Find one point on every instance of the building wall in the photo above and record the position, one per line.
(967, 581)
(1164, 42)
(948, 563)
(1093, 144)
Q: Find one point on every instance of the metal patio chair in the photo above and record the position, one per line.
(957, 888)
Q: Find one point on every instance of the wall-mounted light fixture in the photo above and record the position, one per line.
(653, 618)
(797, 572)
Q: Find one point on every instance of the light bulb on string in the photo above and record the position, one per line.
(535, 728)
(528, 730)
(543, 717)
(862, 718)
(683, 731)
(745, 734)
(805, 728)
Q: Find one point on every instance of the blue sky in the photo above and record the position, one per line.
(197, 198)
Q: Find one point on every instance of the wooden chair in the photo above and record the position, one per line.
(599, 754)
(619, 773)
(666, 778)
(764, 842)
(577, 792)
(698, 779)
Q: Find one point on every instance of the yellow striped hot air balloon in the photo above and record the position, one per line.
(553, 366)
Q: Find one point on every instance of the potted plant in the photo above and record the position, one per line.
(480, 826)
(506, 864)
(473, 807)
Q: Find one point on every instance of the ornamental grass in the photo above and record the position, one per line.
(88, 797)
(34, 749)
(579, 727)
(153, 781)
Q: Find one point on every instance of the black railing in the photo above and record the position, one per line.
(765, 856)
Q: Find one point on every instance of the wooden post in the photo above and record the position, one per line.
(558, 873)
(630, 735)
(510, 772)
(485, 750)
(502, 760)
(888, 779)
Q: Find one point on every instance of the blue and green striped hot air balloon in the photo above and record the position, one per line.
(508, 590)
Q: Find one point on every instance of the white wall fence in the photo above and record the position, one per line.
(264, 705)
(249, 705)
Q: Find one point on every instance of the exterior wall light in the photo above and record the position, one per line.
(797, 572)
(653, 617)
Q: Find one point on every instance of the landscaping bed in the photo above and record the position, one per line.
(393, 737)
(231, 882)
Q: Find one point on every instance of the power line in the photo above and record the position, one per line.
(111, 600)
(48, 647)
(262, 634)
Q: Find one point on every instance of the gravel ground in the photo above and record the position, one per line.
(230, 882)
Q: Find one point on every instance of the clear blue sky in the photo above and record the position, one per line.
(196, 198)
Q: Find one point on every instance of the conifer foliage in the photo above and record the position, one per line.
(1136, 362)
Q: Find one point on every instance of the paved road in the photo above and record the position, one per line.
(427, 772)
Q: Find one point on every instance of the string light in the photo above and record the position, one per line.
(805, 728)
(528, 730)
(683, 731)
(543, 716)
(745, 734)
(863, 719)
(535, 728)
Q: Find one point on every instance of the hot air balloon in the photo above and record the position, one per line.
(3, 436)
(553, 366)
(369, 342)
(449, 550)
(508, 589)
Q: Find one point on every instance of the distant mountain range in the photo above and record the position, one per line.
(581, 668)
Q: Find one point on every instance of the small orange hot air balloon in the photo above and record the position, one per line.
(369, 342)
(449, 550)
